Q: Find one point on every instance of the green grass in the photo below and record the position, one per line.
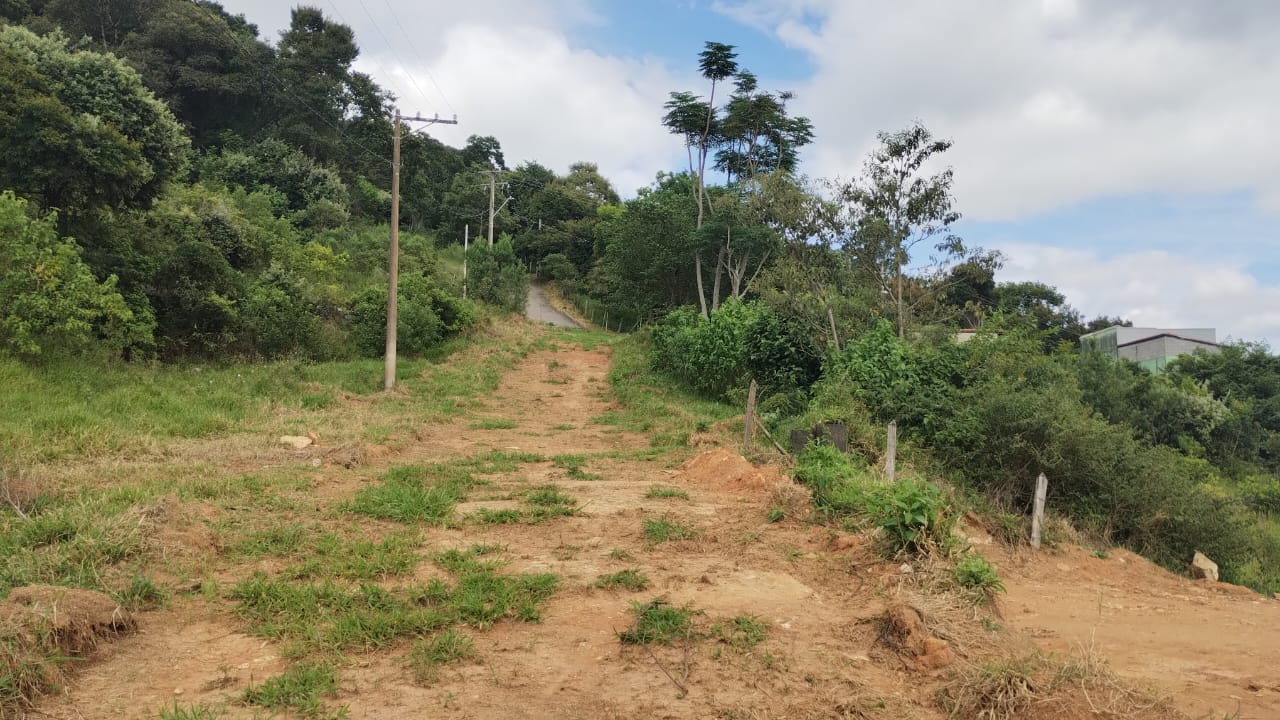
(542, 503)
(299, 689)
(493, 424)
(443, 648)
(573, 465)
(658, 491)
(428, 493)
(632, 579)
(505, 516)
(975, 574)
(666, 530)
(141, 594)
(658, 622)
(652, 404)
(742, 632)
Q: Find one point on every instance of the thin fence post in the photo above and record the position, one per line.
(750, 420)
(1037, 513)
(891, 451)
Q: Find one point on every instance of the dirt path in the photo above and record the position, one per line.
(816, 594)
(1215, 647)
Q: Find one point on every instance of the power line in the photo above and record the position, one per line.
(418, 57)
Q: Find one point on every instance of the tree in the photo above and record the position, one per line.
(897, 209)
(78, 130)
(319, 87)
(751, 135)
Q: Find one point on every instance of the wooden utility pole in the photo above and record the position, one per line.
(891, 451)
(466, 244)
(750, 421)
(393, 261)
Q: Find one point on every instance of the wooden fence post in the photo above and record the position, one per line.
(891, 452)
(1037, 514)
(750, 422)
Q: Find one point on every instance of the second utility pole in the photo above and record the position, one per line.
(493, 181)
(393, 262)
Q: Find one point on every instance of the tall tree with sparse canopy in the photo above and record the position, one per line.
(896, 208)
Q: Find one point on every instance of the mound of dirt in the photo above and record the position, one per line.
(73, 621)
(903, 630)
(723, 469)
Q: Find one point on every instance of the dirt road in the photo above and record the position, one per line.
(816, 596)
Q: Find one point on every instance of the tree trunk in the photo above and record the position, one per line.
(715, 286)
(902, 308)
(702, 295)
(831, 317)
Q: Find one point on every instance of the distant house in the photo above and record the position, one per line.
(1152, 348)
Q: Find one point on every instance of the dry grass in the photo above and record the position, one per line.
(1039, 686)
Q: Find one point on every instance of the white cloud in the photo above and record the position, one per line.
(1049, 103)
(507, 69)
(1153, 288)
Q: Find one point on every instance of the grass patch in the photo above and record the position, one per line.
(666, 530)
(493, 424)
(974, 574)
(428, 493)
(658, 622)
(299, 689)
(192, 712)
(564, 428)
(632, 579)
(742, 632)
(653, 404)
(329, 555)
(542, 503)
(444, 648)
(660, 492)
(573, 465)
(141, 594)
(505, 516)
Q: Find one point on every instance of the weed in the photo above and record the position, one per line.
(493, 424)
(658, 622)
(658, 491)
(443, 648)
(193, 712)
(564, 427)
(1102, 553)
(632, 579)
(665, 530)
(505, 516)
(975, 574)
(776, 514)
(620, 555)
(997, 690)
(742, 632)
(548, 496)
(299, 688)
(142, 594)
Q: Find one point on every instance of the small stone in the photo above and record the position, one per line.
(177, 691)
(906, 569)
(297, 442)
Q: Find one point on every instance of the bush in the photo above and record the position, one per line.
(558, 268)
(914, 516)
(277, 323)
(48, 297)
(426, 316)
(497, 276)
(973, 572)
(708, 355)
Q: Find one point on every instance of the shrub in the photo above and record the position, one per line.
(497, 276)
(426, 315)
(708, 355)
(277, 323)
(48, 297)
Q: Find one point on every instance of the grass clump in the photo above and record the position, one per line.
(493, 424)
(666, 530)
(742, 632)
(632, 579)
(414, 493)
(505, 516)
(1001, 690)
(975, 574)
(443, 648)
(658, 622)
(661, 492)
(299, 689)
(193, 712)
(573, 465)
(141, 594)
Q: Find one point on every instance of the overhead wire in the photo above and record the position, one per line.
(391, 49)
(414, 48)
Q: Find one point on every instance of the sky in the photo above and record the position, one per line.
(1127, 153)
